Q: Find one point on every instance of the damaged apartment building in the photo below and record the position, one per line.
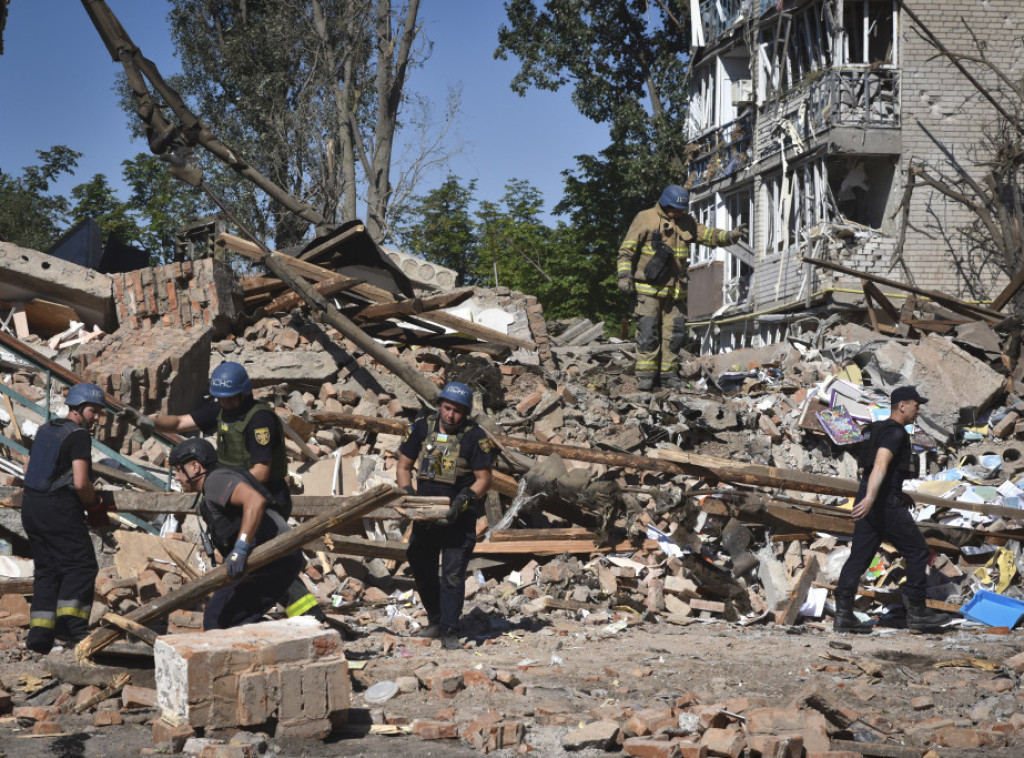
(804, 118)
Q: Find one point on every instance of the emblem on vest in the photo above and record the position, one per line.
(262, 435)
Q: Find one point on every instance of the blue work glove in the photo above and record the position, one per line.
(236, 561)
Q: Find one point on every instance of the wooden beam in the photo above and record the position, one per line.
(678, 462)
(557, 547)
(895, 596)
(16, 586)
(343, 544)
(290, 300)
(354, 508)
(413, 305)
(377, 295)
(331, 243)
(871, 290)
(143, 633)
(1011, 289)
(976, 312)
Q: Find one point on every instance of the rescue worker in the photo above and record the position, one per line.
(453, 459)
(240, 513)
(881, 512)
(249, 433)
(58, 488)
(653, 264)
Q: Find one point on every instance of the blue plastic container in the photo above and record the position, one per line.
(993, 609)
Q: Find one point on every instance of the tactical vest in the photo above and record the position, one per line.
(231, 449)
(42, 474)
(440, 459)
(903, 464)
(225, 521)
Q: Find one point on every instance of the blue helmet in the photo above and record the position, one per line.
(459, 393)
(84, 393)
(230, 379)
(675, 196)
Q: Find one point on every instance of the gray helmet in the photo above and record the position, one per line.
(83, 394)
(194, 449)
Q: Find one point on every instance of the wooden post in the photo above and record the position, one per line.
(266, 553)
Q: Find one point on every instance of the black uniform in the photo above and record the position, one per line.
(889, 519)
(262, 440)
(445, 466)
(54, 520)
(244, 601)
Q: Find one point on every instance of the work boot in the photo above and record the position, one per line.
(645, 382)
(430, 632)
(845, 620)
(318, 613)
(450, 638)
(39, 640)
(670, 380)
(920, 616)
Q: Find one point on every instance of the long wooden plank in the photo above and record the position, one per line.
(879, 297)
(678, 462)
(895, 596)
(968, 309)
(413, 305)
(376, 294)
(392, 550)
(1011, 289)
(557, 547)
(264, 554)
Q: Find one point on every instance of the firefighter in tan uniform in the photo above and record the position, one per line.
(653, 263)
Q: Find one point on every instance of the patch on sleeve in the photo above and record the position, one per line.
(262, 435)
(485, 445)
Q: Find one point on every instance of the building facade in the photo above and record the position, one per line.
(805, 116)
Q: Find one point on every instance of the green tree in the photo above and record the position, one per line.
(163, 203)
(625, 62)
(117, 220)
(29, 215)
(311, 92)
(440, 227)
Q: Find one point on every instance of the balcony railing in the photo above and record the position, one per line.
(849, 96)
(722, 152)
(720, 16)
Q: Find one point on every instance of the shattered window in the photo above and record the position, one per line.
(869, 32)
(774, 239)
(791, 52)
(701, 115)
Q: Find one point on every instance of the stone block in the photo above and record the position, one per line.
(138, 697)
(202, 678)
(644, 747)
(962, 737)
(303, 729)
(597, 735)
(171, 738)
(727, 743)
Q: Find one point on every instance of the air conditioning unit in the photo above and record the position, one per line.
(742, 92)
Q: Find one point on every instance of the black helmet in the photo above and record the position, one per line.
(194, 449)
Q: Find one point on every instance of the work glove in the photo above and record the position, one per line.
(96, 514)
(140, 421)
(408, 490)
(236, 561)
(739, 233)
(663, 255)
(625, 283)
(460, 504)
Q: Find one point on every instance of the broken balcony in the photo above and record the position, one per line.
(851, 96)
(720, 152)
(719, 17)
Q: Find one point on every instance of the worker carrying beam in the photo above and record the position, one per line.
(653, 264)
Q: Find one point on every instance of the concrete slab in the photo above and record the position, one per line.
(30, 274)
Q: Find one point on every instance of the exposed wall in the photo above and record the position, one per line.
(943, 112)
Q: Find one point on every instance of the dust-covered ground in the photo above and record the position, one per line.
(907, 688)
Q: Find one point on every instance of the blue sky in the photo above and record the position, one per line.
(56, 87)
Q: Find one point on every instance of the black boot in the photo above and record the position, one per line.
(431, 631)
(920, 616)
(450, 638)
(845, 620)
(645, 381)
(670, 380)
